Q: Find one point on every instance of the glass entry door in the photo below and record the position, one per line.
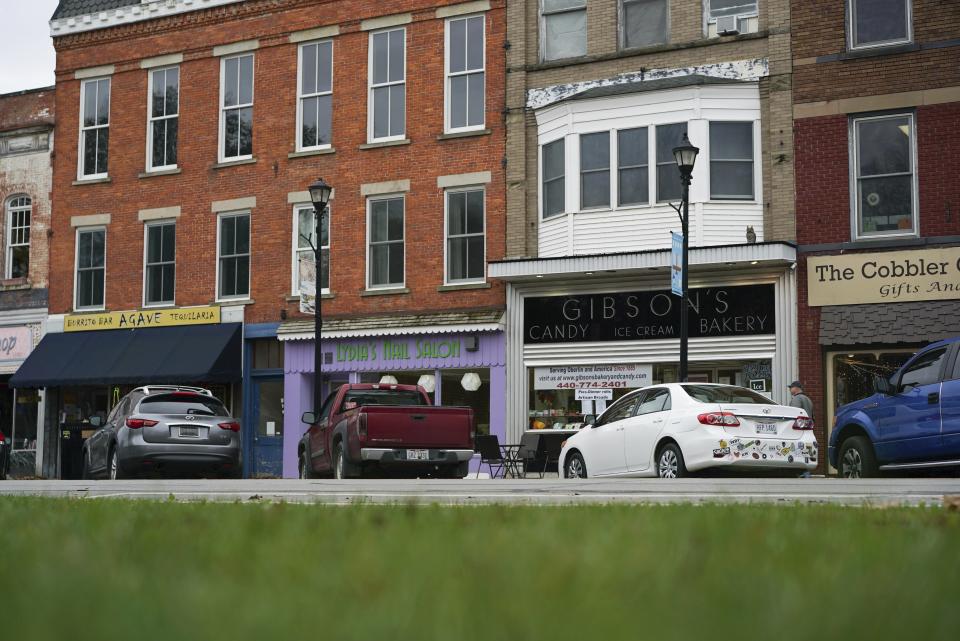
(268, 423)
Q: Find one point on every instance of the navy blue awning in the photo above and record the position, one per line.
(174, 355)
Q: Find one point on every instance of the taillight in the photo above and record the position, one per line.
(137, 423)
(362, 426)
(233, 426)
(803, 423)
(2, 437)
(722, 419)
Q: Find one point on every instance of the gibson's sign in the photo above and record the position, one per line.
(887, 277)
(142, 318)
(747, 310)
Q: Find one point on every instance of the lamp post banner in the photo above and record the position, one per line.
(308, 283)
(676, 264)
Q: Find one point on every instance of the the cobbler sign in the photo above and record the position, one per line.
(887, 277)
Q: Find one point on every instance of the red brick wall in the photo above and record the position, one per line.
(274, 174)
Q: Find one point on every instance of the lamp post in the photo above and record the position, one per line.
(686, 157)
(320, 195)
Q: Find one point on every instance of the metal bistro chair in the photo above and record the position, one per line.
(494, 455)
(548, 449)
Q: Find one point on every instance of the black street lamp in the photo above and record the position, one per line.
(686, 157)
(320, 195)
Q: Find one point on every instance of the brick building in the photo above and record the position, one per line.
(599, 92)
(26, 149)
(877, 102)
(190, 134)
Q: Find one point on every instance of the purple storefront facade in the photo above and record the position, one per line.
(450, 363)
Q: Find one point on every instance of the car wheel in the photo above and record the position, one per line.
(113, 471)
(339, 462)
(574, 467)
(856, 459)
(306, 472)
(670, 462)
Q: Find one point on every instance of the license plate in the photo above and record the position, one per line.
(189, 431)
(766, 428)
(418, 455)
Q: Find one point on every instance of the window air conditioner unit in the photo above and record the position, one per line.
(727, 26)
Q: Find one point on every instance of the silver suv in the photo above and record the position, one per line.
(164, 429)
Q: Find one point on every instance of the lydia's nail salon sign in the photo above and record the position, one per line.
(884, 277)
(649, 315)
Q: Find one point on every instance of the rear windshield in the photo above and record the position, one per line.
(725, 394)
(182, 404)
(384, 397)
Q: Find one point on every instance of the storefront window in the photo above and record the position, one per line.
(454, 392)
(854, 373)
(404, 377)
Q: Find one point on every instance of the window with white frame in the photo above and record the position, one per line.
(164, 118)
(466, 253)
(465, 73)
(236, 107)
(633, 167)
(305, 233)
(873, 23)
(315, 100)
(668, 176)
(388, 85)
(94, 127)
(595, 170)
(643, 22)
(233, 256)
(731, 161)
(563, 28)
(159, 263)
(91, 267)
(19, 209)
(720, 8)
(884, 175)
(553, 170)
(385, 252)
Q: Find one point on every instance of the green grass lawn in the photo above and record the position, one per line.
(113, 569)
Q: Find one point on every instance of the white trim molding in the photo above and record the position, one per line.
(130, 14)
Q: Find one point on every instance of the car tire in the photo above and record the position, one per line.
(306, 472)
(856, 459)
(114, 471)
(575, 467)
(342, 468)
(670, 463)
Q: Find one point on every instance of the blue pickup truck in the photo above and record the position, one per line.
(911, 422)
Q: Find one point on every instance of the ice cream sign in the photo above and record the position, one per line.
(16, 343)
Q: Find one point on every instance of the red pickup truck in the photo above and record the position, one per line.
(389, 429)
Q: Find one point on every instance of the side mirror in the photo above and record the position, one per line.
(350, 405)
(96, 421)
(590, 419)
(309, 418)
(883, 385)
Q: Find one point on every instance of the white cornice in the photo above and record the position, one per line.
(146, 10)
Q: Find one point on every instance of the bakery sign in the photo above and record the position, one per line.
(746, 310)
(885, 277)
(598, 377)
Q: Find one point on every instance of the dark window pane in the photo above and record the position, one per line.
(230, 90)
(476, 99)
(172, 91)
(103, 102)
(458, 46)
(228, 277)
(566, 35)
(97, 298)
(553, 159)
(159, 143)
(97, 249)
(475, 257)
(243, 276)
(396, 55)
(159, 94)
(228, 236)
(731, 140)
(396, 263)
(456, 213)
(246, 131)
(89, 104)
(595, 151)
(395, 222)
(457, 257)
(380, 53)
(595, 189)
(668, 182)
(20, 261)
(458, 101)
(173, 127)
(169, 242)
(475, 42)
(324, 120)
(632, 147)
(645, 22)
(886, 204)
(397, 110)
(884, 146)
(231, 134)
(246, 80)
(103, 139)
(89, 152)
(309, 125)
(378, 221)
(381, 112)
(475, 212)
(324, 66)
(731, 180)
(880, 20)
(309, 72)
(168, 281)
(634, 186)
(379, 274)
(668, 137)
(243, 234)
(553, 198)
(154, 284)
(154, 234)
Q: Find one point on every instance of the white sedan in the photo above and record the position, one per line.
(672, 429)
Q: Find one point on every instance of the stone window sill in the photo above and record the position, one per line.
(234, 163)
(160, 172)
(311, 152)
(296, 299)
(388, 143)
(464, 134)
(385, 292)
(232, 303)
(92, 181)
(12, 284)
(454, 287)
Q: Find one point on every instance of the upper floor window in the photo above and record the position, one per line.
(305, 232)
(91, 267)
(236, 112)
(233, 256)
(731, 161)
(874, 23)
(553, 173)
(643, 22)
(315, 103)
(164, 118)
(385, 252)
(884, 175)
(94, 127)
(159, 265)
(18, 237)
(668, 177)
(633, 176)
(465, 73)
(563, 28)
(466, 255)
(595, 170)
(388, 85)
(720, 8)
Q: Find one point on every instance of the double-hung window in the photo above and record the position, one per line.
(305, 231)
(563, 29)
(633, 160)
(465, 73)
(884, 175)
(553, 172)
(595, 170)
(668, 177)
(164, 118)
(233, 259)
(388, 85)
(877, 23)
(465, 236)
(94, 127)
(91, 267)
(236, 107)
(731, 161)
(385, 252)
(18, 237)
(315, 102)
(643, 22)
(159, 265)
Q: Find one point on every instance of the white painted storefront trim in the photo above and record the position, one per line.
(147, 10)
(395, 331)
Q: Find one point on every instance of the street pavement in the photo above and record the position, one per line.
(872, 492)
